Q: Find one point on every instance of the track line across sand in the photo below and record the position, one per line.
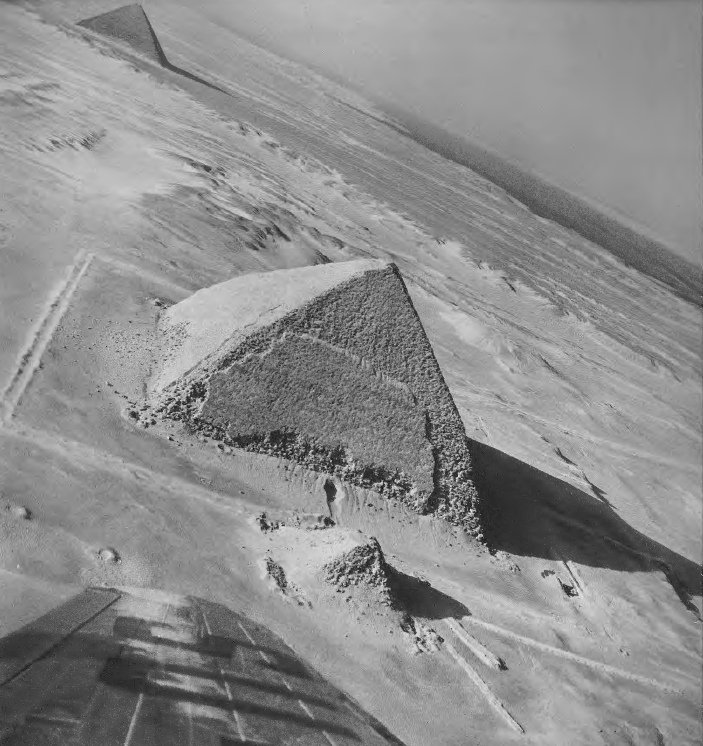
(41, 336)
(575, 576)
(483, 688)
(595, 665)
(615, 449)
(479, 650)
(143, 272)
(573, 572)
(81, 453)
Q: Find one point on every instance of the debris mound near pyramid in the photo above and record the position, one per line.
(328, 366)
(128, 24)
(364, 565)
(345, 568)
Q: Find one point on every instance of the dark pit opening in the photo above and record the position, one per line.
(330, 492)
(569, 590)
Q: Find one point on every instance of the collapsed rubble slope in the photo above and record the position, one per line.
(328, 366)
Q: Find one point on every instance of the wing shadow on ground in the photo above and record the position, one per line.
(207, 672)
(142, 671)
(530, 513)
(134, 671)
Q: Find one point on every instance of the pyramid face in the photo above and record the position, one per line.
(329, 366)
(130, 25)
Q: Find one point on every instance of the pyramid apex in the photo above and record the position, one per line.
(130, 25)
(326, 365)
(227, 313)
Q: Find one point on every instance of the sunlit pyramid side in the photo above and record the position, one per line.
(328, 366)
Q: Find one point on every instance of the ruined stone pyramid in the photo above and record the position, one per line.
(328, 366)
(130, 25)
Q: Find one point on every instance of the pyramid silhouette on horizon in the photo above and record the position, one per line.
(328, 366)
(130, 25)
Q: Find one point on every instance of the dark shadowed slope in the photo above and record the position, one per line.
(129, 24)
(550, 201)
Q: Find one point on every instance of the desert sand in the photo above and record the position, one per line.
(131, 183)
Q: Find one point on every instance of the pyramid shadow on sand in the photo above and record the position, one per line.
(419, 598)
(529, 513)
(130, 25)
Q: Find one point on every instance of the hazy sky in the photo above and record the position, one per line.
(602, 97)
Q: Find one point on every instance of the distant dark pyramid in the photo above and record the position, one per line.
(130, 25)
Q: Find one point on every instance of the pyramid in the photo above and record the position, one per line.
(130, 25)
(328, 366)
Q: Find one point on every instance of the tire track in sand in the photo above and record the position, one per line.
(40, 337)
(565, 654)
(483, 688)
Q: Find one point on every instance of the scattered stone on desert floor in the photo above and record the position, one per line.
(278, 580)
(20, 512)
(109, 555)
(266, 525)
(328, 366)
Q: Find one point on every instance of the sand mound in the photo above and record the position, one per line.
(363, 572)
(128, 24)
(328, 366)
(306, 560)
(345, 572)
(363, 565)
